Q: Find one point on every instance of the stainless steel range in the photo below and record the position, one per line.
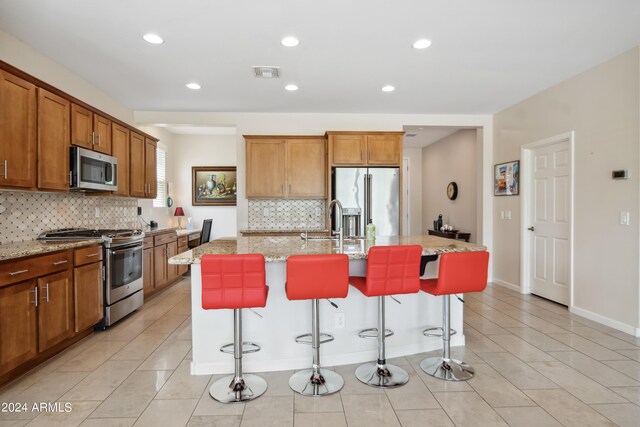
(123, 283)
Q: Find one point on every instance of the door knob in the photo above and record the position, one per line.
(532, 228)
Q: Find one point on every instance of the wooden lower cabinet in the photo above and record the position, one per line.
(160, 265)
(147, 271)
(182, 247)
(88, 295)
(157, 273)
(55, 309)
(172, 269)
(18, 325)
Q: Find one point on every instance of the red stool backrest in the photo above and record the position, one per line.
(461, 272)
(317, 276)
(233, 281)
(393, 270)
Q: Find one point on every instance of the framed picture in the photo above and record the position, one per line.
(506, 179)
(213, 185)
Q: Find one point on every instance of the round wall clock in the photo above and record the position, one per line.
(452, 190)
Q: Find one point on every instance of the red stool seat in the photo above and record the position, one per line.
(458, 272)
(314, 277)
(235, 282)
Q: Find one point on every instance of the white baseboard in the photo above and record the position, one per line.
(506, 285)
(623, 327)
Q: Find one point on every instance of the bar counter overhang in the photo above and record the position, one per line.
(283, 320)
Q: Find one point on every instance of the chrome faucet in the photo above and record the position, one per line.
(338, 232)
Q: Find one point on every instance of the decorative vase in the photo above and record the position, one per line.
(211, 183)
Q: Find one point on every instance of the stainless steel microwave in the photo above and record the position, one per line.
(92, 171)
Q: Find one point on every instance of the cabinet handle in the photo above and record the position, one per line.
(289, 188)
(91, 255)
(15, 273)
(60, 262)
(46, 292)
(99, 139)
(35, 301)
(282, 188)
(361, 153)
(70, 177)
(5, 169)
(93, 138)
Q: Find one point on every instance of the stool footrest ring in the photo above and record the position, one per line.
(306, 338)
(247, 347)
(372, 333)
(427, 332)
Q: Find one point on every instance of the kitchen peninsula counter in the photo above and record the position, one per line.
(282, 320)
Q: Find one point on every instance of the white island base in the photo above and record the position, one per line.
(283, 320)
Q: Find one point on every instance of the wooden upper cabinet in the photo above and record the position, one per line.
(55, 309)
(348, 149)
(150, 173)
(266, 173)
(81, 127)
(365, 148)
(306, 168)
(384, 149)
(137, 169)
(120, 150)
(102, 134)
(54, 138)
(89, 130)
(18, 325)
(18, 113)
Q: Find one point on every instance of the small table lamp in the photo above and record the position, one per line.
(179, 213)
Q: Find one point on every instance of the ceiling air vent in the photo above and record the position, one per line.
(266, 72)
(410, 135)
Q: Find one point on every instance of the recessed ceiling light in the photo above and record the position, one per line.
(421, 44)
(290, 42)
(291, 87)
(153, 38)
(193, 86)
(388, 88)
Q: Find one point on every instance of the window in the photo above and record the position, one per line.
(161, 199)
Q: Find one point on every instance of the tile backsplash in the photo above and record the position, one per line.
(286, 214)
(24, 215)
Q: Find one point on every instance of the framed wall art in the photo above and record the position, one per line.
(213, 185)
(506, 181)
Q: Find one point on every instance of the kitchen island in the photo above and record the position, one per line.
(283, 320)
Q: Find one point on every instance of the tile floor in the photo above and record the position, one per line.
(536, 364)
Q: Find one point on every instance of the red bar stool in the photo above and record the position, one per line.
(459, 272)
(235, 282)
(390, 270)
(311, 277)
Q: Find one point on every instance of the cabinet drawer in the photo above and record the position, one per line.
(18, 271)
(183, 241)
(148, 242)
(162, 239)
(183, 248)
(87, 255)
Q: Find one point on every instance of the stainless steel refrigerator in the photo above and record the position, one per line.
(374, 191)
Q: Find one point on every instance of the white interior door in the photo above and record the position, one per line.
(550, 225)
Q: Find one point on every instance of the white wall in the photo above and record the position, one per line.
(602, 106)
(201, 150)
(415, 189)
(453, 158)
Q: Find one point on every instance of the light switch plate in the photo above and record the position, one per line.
(624, 218)
(507, 214)
(501, 214)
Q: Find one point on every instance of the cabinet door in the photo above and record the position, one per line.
(266, 168)
(120, 150)
(137, 167)
(348, 149)
(81, 127)
(147, 270)
(160, 265)
(54, 137)
(306, 168)
(55, 309)
(102, 139)
(18, 111)
(172, 270)
(384, 150)
(18, 325)
(87, 289)
(182, 268)
(150, 169)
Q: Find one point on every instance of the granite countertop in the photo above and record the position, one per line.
(185, 232)
(283, 231)
(278, 248)
(16, 250)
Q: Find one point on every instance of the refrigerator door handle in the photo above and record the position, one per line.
(369, 192)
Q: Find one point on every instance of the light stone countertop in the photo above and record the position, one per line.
(278, 248)
(185, 232)
(257, 232)
(9, 251)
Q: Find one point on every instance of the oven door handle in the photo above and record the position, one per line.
(125, 250)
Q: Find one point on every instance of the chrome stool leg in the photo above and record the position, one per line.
(446, 368)
(381, 374)
(238, 387)
(316, 381)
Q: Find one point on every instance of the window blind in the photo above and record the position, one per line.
(161, 199)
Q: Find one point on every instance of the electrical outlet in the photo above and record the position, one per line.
(265, 211)
(97, 212)
(339, 320)
(139, 210)
(318, 212)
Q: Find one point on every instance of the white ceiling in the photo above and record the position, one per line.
(486, 55)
